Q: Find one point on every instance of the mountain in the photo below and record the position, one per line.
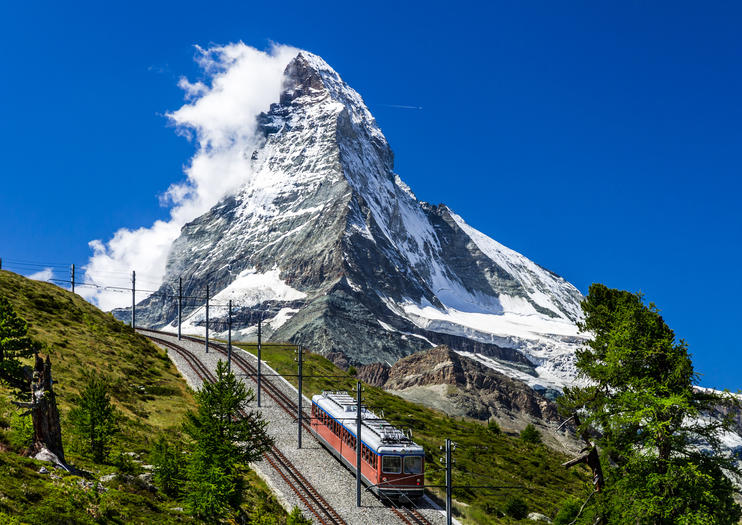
(334, 251)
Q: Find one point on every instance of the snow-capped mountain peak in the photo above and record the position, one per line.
(375, 273)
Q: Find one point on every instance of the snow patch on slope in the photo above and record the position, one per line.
(248, 289)
(251, 288)
(545, 288)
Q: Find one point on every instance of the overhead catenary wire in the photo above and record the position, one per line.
(189, 301)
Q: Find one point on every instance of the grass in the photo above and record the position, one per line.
(146, 388)
(482, 458)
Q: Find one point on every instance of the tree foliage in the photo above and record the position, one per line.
(661, 456)
(94, 418)
(168, 468)
(530, 434)
(15, 344)
(226, 437)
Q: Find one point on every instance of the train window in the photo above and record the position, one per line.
(391, 464)
(413, 464)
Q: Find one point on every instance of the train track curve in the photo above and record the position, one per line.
(406, 512)
(304, 490)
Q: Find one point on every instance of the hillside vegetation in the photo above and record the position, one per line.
(149, 394)
(483, 457)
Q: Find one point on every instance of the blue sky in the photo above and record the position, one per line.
(602, 140)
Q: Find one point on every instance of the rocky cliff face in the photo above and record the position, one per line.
(328, 245)
(445, 380)
(476, 390)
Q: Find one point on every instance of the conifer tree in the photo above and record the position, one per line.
(15, 344)
(94, 418)
(661, 458)
(226, 437)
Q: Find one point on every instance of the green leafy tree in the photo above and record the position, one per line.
(15, 344)
(662, 463)
(530, 434)
(226, 438)
(94, 418)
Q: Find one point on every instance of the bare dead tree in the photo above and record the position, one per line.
(589, 456)
(44, 411)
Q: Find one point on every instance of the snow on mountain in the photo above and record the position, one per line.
(328, 245)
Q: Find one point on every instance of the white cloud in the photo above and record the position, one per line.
(44, 275)
(221, 115)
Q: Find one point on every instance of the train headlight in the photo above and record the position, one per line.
(383, 479)
(418, 482)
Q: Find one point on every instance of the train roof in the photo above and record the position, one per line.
(376, 432)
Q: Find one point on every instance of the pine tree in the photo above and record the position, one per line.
(662, 463)
(15, 344)
(530, 434)
(168, 471)
(94, 418)
(226, 437)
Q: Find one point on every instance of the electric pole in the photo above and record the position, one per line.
(72, 275)
(448, 481)
(133, 298)
(359, 422)
(300, 396)
(207, 318)
(180, 303)
(229, 338)
(260, 319)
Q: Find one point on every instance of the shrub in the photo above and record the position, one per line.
(494, 427)
(530, 434)
(567, 512)
(297, 518)
(20, 436)
(516, 508)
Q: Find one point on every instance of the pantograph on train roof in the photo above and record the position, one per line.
(386, 432)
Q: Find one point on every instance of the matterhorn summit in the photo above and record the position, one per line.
(327, 245)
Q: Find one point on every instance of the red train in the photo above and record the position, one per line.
(392, 465)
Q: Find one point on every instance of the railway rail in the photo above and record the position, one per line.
(293, 477)
(406, 512)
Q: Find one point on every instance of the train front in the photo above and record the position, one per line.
(402, 470)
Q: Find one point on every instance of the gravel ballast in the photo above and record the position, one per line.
(331, 479)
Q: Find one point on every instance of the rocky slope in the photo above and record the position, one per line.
(460, 386)
(328, 245)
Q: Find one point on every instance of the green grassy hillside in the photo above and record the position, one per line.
(150, 395)
(481, 457)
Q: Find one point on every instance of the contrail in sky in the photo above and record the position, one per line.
(400, 106)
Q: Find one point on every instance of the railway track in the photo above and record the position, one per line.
(305, 491)
(407, 513)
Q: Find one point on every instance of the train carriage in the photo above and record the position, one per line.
(392, 465)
